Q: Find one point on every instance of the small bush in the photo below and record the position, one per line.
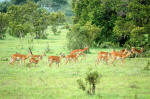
(146, 53)
(82, 35)
(89, 82)
(66, 26)
(147, 67)
(55, 30)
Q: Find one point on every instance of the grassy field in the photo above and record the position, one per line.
(127, 81)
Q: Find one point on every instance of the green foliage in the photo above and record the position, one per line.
(28, 18)
(56, 19)
(3, 24)
(108, 45)
(17, 2)
(91, 79)
(99, 12)
(147, 67)
(80, 36)
(54, 29)
(21, 2)
(120, 21)
(4, 6)
(139, 12)
(122, 27)
(66, 26)
(146, 52)
(81, 84)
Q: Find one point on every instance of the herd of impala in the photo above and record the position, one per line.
(73, 56)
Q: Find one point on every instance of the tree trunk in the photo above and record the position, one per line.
(93, 89)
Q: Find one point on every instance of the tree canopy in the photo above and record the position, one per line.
(119, 20)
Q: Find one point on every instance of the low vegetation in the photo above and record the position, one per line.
(90, 82)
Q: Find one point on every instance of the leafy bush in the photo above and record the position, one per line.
(146, 53)
(147, 67)
(55, 30)
(80, 36)
(66, 26)
(89, 82)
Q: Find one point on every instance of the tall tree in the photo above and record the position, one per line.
(27, 18)
(134, 27)
(3, 24)
(101, 13)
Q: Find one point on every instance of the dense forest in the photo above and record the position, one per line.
(96, 23)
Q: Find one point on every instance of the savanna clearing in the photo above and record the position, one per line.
(119, 81)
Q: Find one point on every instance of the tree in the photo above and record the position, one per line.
(140, 14)
(27, 18)
(4, 6)
(3, 24)
(120, 20)
(101, 13)
(133, 28)
(56, 19)
(80, 36)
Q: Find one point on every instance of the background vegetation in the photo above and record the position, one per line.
(121, 21)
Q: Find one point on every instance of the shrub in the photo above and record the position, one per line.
(80, 36)
(89, 82)
(147, 67)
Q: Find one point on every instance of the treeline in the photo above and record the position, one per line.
(20, 17)
(110, 22)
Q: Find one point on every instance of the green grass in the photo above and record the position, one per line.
(42, 82)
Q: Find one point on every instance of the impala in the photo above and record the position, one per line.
(79, 51)
(136, 51)
(103, 56)
(20, 57)
(123, 51)
(55, 59)
(38, 56)
(117, 55)
(73, 57)
(33, 60)
(103, 53)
